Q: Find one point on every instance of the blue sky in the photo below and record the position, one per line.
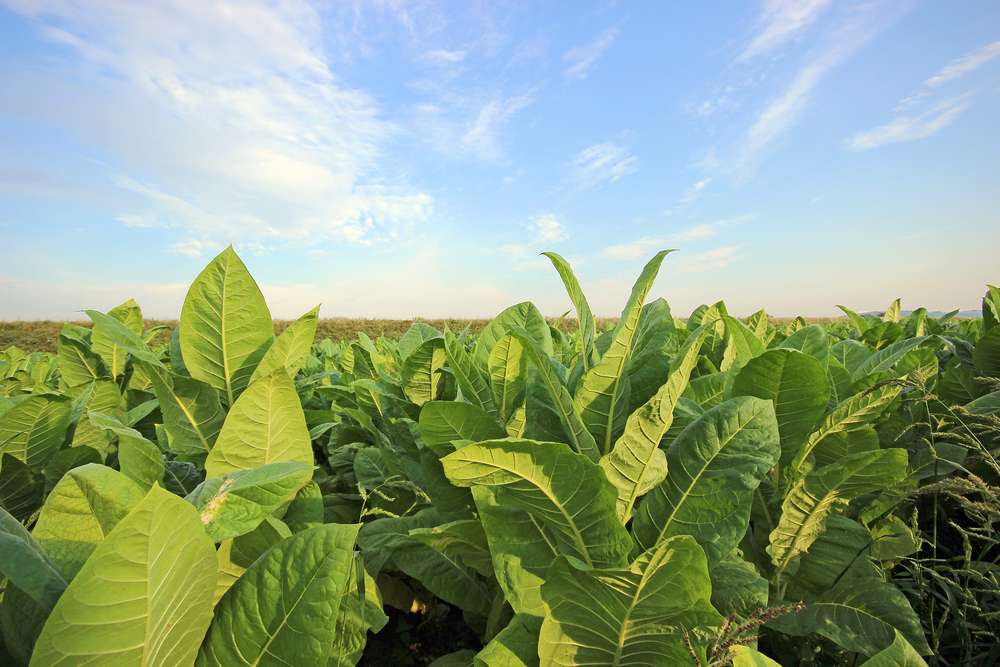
(407, 159)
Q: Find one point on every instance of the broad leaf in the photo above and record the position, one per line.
(225, 326)
(600, 392)
(634, 616)
(284, 608)
(236, 503)
(291, 349)
(713, 469)
(564, 491)
(25, 565)
(637, 464)
(143, 597)
(265, 425)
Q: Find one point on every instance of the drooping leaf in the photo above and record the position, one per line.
(514, 646)
(564, 491)
(713, 469)
(225, 326)
(737, 587)
(797, 385)
(524, 316)
(138, 458)
(808, 505)
(143, 597)
(192, 415)
(900, 653)
(443, 422)
(849, 415)
(744, 656)
(265, 425)
(103, 342)
(237, 502)
(25, 565)
(82, 509)
(283, 610)
(633, 616)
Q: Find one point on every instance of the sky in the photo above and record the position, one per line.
(403, 159)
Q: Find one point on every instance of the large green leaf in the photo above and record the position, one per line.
(564, 491)
(742, 344)
(138, 458)
(78, 364)
(444, 422)
(808, 505)
(713, 469)
(600, 392)
(849, 415)
(25, 565)
(514, 646)
(106, 346)
(861, 613)
(82, 509)
(237, 502)
(588, 331)
(737, 587)
(471, 380)
(192, 415)
(225, 326)
(144, 597)
(34, 429)
(553, 397)
(284, 609)
(524, 316)
(421, 371)
(744, 656)
(636, 463)
(900, 653)
(797, 385)
(291, 349)
(360, 613)
(265, 425)
(121, 339)
(987, 353)
(634, 616)
(508, 372)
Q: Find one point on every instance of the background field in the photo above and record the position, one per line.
(42, 335)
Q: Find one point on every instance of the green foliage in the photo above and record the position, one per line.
(714, 491)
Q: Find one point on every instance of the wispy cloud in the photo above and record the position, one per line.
(911, 128)
(643, 247)
(964, 65)
(482, 138)
(247, 132)
(542, 231)
(442, 57)
(580, 59)
(780, 22)
(189, 248)
(695, 191)
(852, 32)
(602, 163)
(710, 260)
(548, 229)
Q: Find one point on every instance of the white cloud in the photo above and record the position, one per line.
(647, 245)
(694, 192)
(482, 138)
(780, 22)
(964, 65)
(442, 57)
(911, 128)
(603, 163)
(548, 229)
(190, 248)
(710, 260)
(245, 129)
(580, 59)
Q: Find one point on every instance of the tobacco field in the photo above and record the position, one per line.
(705, 491)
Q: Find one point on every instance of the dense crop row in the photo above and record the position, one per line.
(706, 492)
